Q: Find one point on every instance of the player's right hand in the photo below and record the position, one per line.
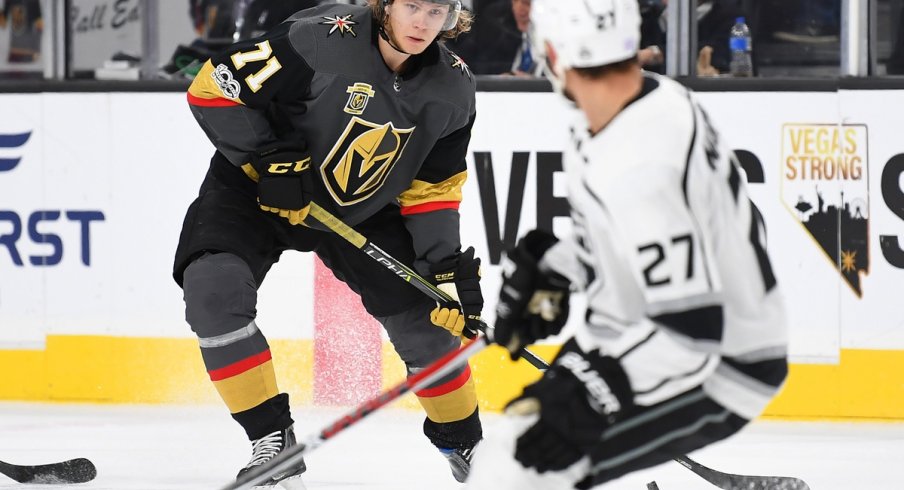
(533, 304)
(285, 182)
(577, 399)
(458, 277)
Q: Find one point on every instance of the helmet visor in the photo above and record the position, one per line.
(441, 15)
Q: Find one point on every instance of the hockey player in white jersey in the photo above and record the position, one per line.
(684, 338)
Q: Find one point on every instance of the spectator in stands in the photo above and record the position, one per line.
(811, 21)
(23, 20)
(215, 19)
(714, 21)
(895, 65)
(220, 23)
(499, 42)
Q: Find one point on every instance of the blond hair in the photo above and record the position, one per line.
(465, 19)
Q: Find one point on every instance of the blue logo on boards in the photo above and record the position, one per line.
(17, 140)
(18, 230)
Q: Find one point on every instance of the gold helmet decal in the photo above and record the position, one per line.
(361, 160)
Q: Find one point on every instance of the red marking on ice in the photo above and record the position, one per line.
(348, 357)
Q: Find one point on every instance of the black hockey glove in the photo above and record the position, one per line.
(533, 304)
(285, 182)
(578, 397)
(459, 277)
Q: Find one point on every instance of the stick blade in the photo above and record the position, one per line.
(740, 482)
(730, 481)
(79, 470)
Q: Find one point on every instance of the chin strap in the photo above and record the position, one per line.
(386, 38)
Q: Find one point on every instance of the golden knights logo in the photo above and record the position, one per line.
(359, 95)
(825, 175)
(361, 160)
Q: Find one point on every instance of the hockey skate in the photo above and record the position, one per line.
(459, 461)
(265, 449)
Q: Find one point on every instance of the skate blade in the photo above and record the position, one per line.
(290, 483)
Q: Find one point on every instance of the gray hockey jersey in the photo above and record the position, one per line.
(318, 81)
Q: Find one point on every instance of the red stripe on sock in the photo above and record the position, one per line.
(447, 387)
(240, 366)
(429, 206)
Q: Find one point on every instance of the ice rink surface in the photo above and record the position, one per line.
(167, 448)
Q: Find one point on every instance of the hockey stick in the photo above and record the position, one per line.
(729, 481)
(409, 275)
(294, 454)
(79, 470)
(398, 268)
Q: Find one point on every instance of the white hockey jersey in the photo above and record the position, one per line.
(671, 254)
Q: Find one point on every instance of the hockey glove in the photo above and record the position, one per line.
(578, 397)
(285, 182)
(459, 277)
(533, 304)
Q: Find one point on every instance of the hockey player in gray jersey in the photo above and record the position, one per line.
(361, 110)
(684, 339)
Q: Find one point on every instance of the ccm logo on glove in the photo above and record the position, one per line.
(284, 182)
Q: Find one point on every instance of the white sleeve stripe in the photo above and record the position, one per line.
(638, 344)
(602, 318)
(676, 377)
(736, 376)
(663, 366)
(676, 385)
(743, 395)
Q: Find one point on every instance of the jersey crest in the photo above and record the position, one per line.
(343, 24)
(358, 96)
(360, 162)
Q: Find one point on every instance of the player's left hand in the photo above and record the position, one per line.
(579, 396)
(459, 277)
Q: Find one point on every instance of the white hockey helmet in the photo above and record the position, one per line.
(585, 33)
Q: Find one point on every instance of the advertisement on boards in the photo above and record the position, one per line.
(91, 204)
